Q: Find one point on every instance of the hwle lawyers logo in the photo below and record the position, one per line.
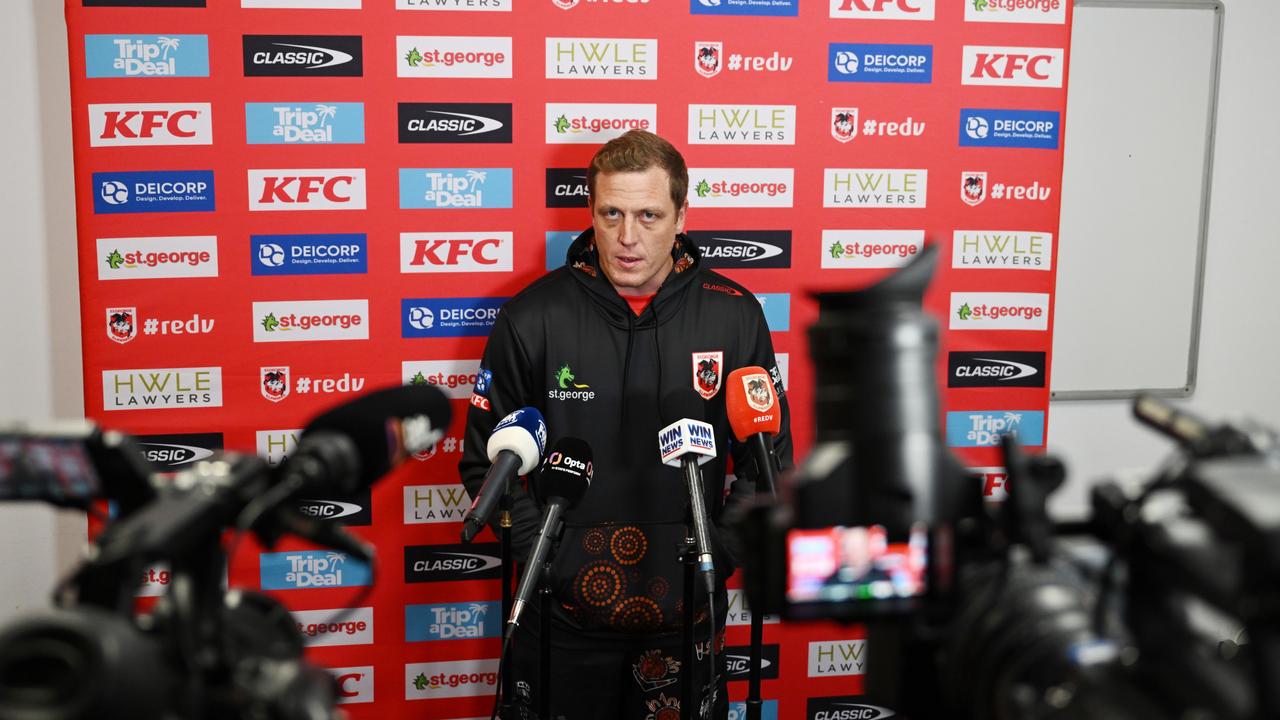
(145, 56)
(601, 59)
(298, 123)
(456, 5)
(161, 388)
(883, 9)
(1012, 66)
(832, 658)
(1002, 250)
(435, 503)
(454, 122)
(139, 124)
(456, 252)
(303, 56)
(875, 187)
(307, 189)
(742, 124)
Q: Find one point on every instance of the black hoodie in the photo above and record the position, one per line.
(571, 347)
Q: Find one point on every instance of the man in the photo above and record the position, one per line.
(631, 335)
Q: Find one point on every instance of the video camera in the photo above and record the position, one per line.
(1164, 604)
(203, 651)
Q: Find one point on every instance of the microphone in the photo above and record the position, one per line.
(560, 484)
(687, 444)
(755, 416)
(514, 448)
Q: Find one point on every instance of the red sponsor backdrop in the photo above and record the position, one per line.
(850, 132)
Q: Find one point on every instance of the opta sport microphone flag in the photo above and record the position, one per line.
(751, 403)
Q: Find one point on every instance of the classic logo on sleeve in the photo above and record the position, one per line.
(596, 123)
(1012, 66)
(303, 56)
(984, 428)
(866, 249)
(307, 189)
(131, 56)
(139, 124)
(875, 187)
(446, 188)
(153, 191)
(999, 311)
(426, 56)
(742, 124)
(157, 257)
(883, 9)
(602, 59)
(301, 320)
(304, 123)
(1002, 250)
(868, 63)
(707, 373)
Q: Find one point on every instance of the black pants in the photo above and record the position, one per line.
(635, 679)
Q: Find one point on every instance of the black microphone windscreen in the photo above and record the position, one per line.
(388, 425)
(565, 473)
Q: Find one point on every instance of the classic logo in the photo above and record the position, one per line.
(323, 628)
(275, 446)
(875, 187)
(602, 59)
(845, 124)
(454, 122)
(129, 56)
(153, 191)
(999, 311)
(596, 123)
(442, 188)
(303, 55)
(435, 503)
(883, 9)
(300, 569)
(997, 368)
(144, 3)
(995, 481)
(1009, 128)
(973, 187)
(738, 660)
(461, 678)
(1012, 66)
(354, 510)
(138, 124)
(448, 317)
(744, 248)
(161, 388)
(456, 252)
(274, 382)
(742, 124)
(566, 187)
(867, 249)
(465, 5)
(831, 658)
(878, 63)
(745, 7)
(439, 563)
(707, 372)
(299, 123)
(1002, 250)
(979, 428)
(436, 56)
(844, 707)
(157, 257)
(122, 324)
(777, 310)
(741, 187)
(328, 254)
(302, 320)
(307, 189)
(739, 613)
(452, 621)
(171, 453)
(565, 386)
(303, 4)
(355, 684)
(1049, 12)
(456, 378)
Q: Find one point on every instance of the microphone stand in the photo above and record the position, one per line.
(688, 556)
(508, 572)
(765, 483)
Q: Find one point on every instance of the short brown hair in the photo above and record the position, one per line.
(637, 151)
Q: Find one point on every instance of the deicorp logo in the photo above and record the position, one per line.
(874, 188)
(330, 254)
(1051, 12)
(448, 317)
(443, 188)
(433, 56)
(851, 62)
(311, 569)
(307, 189)
(437, 563)
(602, 59)
(454, 122)
(129, 56)
(303, 55)
(157, 257)
(741, 187)
(745, 7)
(161, 388)
(984, 428)
(883, 9)
(1002, 250)
(299, 320)
(594, 123)
(1009, 128)
(153, 191)
(456, 252)
(744, 248)
(1012, 66)
(999, 311)
(137, 124)
(996, 368)
(867, 249)
(285, 123)
(742, 124)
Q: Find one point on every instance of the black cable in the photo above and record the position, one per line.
(502, 664)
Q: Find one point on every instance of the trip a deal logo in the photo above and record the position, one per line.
(300, 320)
(303, 56)
(153, 191)
(780, 8)
(878, 63)
(741, 187)
(445, 188)
(452, 621)
(144, 56)
(299, 123)
(985, 428)
(448, 317)
(301, 569)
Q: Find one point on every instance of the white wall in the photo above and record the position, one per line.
(40, 371)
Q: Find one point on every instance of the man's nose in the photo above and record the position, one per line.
(627, 231)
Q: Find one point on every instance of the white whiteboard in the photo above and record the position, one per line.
(1138, 145)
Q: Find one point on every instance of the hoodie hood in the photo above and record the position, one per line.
(584, 264)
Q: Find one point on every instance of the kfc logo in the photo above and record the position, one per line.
(1012, 66)
(355, 684)
(150, 124)
(883, 9)
(311, 189)
(456, 252)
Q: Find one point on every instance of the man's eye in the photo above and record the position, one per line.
(650, 216)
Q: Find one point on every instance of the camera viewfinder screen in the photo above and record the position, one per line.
(852, 564)
(52, 469)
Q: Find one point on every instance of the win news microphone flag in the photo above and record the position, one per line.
(755, 416)
(514, 448)
(688, 444)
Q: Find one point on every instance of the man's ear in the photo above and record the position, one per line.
(680, 215)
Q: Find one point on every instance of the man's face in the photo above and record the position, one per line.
(635, 224)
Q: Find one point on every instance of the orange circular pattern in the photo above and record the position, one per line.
(593, 541)
(637, 613)
(629, 545)
(598, 584)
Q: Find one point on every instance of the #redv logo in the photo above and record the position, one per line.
(307, 189)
